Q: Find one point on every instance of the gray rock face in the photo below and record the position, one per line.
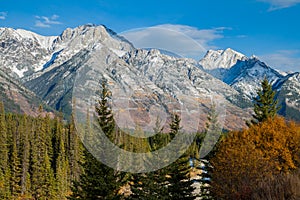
(144, 83)
(245, 76)
(147, 80)
(22, 52)
(16, 97)
(217, 63)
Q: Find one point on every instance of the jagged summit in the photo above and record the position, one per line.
(48, 66)
(216, 59)
(24, 52)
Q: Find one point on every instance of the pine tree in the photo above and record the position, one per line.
(159, 139)
(75, 152)
(97, 181)
(15, 164)
(179, 182)
(174, 125)
(151, 185)
(60, 160)
(171, 182)
(205, 180)
(265, 104)
(104, 112)
(42, 177)
(4, 165)
(25, 127)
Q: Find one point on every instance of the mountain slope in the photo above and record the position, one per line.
(23, 52)
(147, 79)
(17, 98)
(288, 95)
(245, 76)
(145, 83)
(218, 62)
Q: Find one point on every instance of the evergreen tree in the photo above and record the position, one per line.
(171, 182)
(61, 162)
(205, 180)
(104, 112)
(15, 177)
(151, 185)
(25, 155)
(179, 182)
(98, 181)
(265, 104)
(159, 139)
(4, 165)
(174, 125)
(42, 177)
(75, 152)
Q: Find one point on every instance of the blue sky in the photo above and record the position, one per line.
(269, 29)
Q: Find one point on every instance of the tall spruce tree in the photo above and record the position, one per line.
(265, 105)
(104, 113)
(25, 154)
(171, 182)
(60, 160)
(177, 177)
(42, 177)
(75, 151)
(98, 181)
(15, 164)
(4, 150)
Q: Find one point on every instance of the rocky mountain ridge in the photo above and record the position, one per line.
(147, 79)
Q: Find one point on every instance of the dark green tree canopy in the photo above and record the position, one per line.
(265, 105)
(104, 112)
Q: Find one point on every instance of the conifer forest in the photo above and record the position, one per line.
(44, 158)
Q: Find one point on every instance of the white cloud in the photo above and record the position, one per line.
(284, 60)
(182, 40)
(279, 4)
(46, 22)
(3, 15)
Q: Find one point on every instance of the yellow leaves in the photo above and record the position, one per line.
(244, 158)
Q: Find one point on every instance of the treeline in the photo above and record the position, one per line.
(39, 157)
(101, 182)
(42, 158)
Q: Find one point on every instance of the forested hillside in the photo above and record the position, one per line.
(40, 157)
(43, 158)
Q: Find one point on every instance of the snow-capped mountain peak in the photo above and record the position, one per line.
(48, 65)
(216, 59)
(23, 52)
(217, 62)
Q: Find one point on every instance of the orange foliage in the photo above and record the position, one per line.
(244, 158)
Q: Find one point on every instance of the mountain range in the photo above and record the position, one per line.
(145, 83)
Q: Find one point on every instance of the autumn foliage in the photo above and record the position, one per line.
(245, 159)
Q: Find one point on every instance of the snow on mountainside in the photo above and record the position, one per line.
(289, 96)
(245, 76)
(221, 59)
(148, 77)
(23, 52)
(218, 62)
(48, 66)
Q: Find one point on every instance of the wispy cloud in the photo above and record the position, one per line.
(46, 22)
(284, 60)
(182, 40)
(280, 4)
(3, 15)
